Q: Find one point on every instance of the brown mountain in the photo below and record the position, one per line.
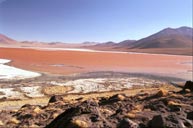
(112, 45)
(167, 38)
(106, 44)
(126, 43)
(4, 40)
(8, 42)
(168, 41)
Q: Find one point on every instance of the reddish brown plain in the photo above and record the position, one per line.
(68, 62)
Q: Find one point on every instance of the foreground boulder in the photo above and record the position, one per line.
(55, 99)
(190, 115)
(127, 123)
(158, 121)
(188, 85)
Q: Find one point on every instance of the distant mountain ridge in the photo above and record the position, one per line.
(167, 38)
(182, 31)
(4, 40)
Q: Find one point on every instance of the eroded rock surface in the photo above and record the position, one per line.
(162, 108)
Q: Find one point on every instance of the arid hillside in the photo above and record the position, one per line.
(167, 41)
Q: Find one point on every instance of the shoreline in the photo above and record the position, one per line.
(98, 74)
(92, 50)
(10, 72)
(46, 89)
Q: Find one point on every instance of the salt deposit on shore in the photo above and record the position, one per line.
(8, 72)
(32, 91)
(10, 93)
(21, 92)
(105, 84)
(3, 61)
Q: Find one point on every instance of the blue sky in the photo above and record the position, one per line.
(75, 21)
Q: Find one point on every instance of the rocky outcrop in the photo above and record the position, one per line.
(188, 85)
(55, 99)
(162, 108)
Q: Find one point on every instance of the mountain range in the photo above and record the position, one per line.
(166, 38)
(167, 41)
(173, 39)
